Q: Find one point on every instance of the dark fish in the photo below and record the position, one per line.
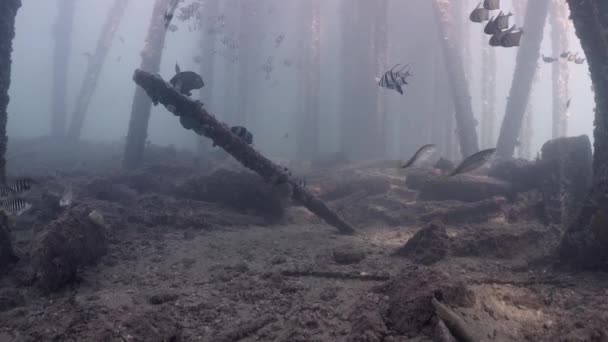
(242, 133)
(491, 4)
(22, 184)
(565, 54)
(490, 27)
(278, 40)
(511, 38)
(286, 136)
(122, 40)
(6, 191)
(169, 13)
(497, 36)
(395, 79)
(421, 155)
(15, 206)
(186, 81)
(502, 21)
(568, 103)
(474, 161)
(479, 14)
(579, 60)
(548, 59)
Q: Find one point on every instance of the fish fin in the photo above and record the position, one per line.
(400, 90)
(177, 69)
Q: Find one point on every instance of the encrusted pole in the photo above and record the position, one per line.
(193, 116)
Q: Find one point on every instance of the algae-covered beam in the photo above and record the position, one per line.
(194, 116)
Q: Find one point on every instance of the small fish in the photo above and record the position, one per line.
(122, 40)
(242, 133)
(579, 60)
(497, 36)
(572, 57)
(491, 4)
(287, 62)
(479, 14)
(22, 184)
(511, 38)
(197, 59)
(67, 197)
(278, 40)
(549, 59)
(421, 155)
(15, 206)
(286, 136)
(502, 21)
(395, 79)
(568, 103)
(118, 58)
(169, 13)
(6, 191)
(565, 54)
(474, 161)
(490, 27)
(186, 81)
(88, 55)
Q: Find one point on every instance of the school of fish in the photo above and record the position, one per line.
(497, 27)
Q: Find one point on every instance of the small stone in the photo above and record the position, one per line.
(347, 255)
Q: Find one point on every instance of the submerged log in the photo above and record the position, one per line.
(466, 188)
(7, 256)
(194, 116)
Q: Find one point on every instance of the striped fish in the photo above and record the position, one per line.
(15, 206)
(22, 184)
(395, 79)
(6, 191)
(497, 37)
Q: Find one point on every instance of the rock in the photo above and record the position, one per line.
(10, 299)
(567, 166)
(523, 174)
(347, 255)
(162, 297)
(66, 245)
(429, 245)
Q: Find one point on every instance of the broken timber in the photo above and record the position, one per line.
(194, 116)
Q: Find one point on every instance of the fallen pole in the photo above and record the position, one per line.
(193, 116)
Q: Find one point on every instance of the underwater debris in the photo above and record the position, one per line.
(155, 86)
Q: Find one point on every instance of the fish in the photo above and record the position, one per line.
(473, 162)
(15, 206)
(549, 59)
(565, 54)
(421, 155)
(186, 81)
(568, 103)
(572, 57)
(88, 55)
(479, 14)
(286, 136)
(22, 184)
(497, 36)
(490, 27)
(278, 40)
(502, 21)
(242, 133)
(395, 79)
(121, 38)
(66, 198)
(579, 60)
(491, 4)
(511, 38)
(6, 191)
(118, 58)
(168, 16)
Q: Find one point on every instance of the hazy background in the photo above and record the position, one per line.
(108, 115)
